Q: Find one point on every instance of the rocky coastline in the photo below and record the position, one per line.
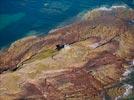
(95, 55)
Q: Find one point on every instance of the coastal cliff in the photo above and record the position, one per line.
(97, 51)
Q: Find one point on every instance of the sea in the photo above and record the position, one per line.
(22, 18)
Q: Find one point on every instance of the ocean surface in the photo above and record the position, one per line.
(21, 18)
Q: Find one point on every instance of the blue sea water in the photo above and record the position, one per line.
(20, 18)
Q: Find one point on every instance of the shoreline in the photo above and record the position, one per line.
(85, 14)
(40, 39)
(73, 59)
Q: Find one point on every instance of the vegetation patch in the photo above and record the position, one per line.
(42, 55)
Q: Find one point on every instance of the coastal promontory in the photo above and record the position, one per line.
(90, 59)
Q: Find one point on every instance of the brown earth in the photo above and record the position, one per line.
(100, 47)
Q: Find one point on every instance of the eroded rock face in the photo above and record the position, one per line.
(86, 82)
(100, 47)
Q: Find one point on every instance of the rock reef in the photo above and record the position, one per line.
(97, 52)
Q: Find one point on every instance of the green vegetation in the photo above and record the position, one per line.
(42, 55)
(45, 54)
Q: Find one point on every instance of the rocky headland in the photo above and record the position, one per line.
(91, 64)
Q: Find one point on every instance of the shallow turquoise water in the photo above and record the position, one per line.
(19, 18)
(9, 19)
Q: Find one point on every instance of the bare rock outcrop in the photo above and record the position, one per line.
(97, 50)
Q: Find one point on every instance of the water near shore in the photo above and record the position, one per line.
(41, 16)
(7, 19)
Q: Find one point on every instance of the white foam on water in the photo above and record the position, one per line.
(81, 14)
(103, 8)
(54, 30)
(128, 88)
(128, 91)
(122, 6)
(58, 28)
(127, 72)
(125, 76)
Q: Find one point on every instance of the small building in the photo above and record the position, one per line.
(59, 46)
